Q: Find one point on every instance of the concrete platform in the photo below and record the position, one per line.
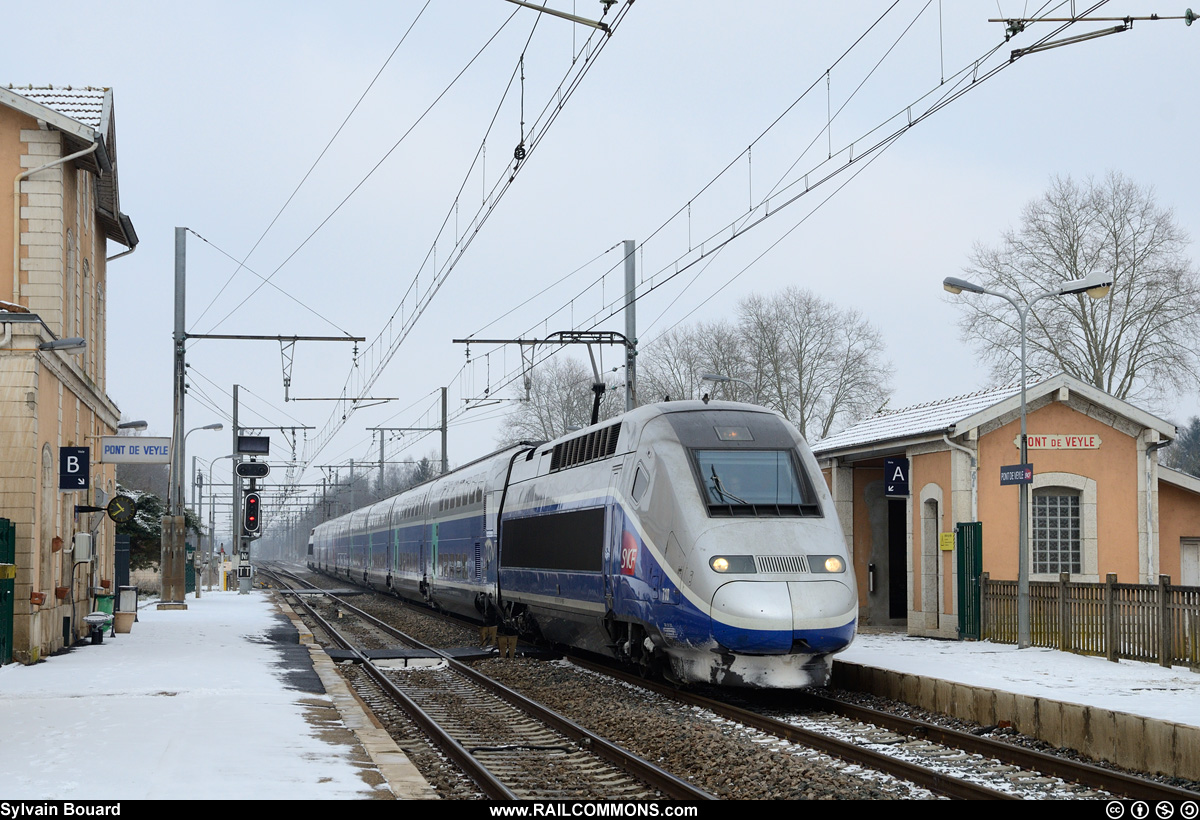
(1132, 741)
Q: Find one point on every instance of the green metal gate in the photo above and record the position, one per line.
(970, 568)
(8, 571)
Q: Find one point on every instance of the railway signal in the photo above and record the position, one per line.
(251, 522)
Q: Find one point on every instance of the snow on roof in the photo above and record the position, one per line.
(930, 417)
(83, 104)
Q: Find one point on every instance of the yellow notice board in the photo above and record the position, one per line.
(946, 540)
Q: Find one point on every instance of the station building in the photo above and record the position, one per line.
(59, 159)
(1099, 503)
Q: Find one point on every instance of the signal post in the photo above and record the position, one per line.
(251, 519)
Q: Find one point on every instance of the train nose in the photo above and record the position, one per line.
(769, 617)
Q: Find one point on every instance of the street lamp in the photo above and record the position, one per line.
(75, 344)
(177, 501)
(1096, 285)
(719, 379)
(172, 556)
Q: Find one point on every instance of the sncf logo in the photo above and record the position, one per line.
(629, 550)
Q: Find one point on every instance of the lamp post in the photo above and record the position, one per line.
(1096, 285)
(720, 379)
(177, 502)
(171, 560)
(212, 508)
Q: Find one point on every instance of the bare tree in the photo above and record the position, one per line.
(820, 365)
(1139, 341)
(673, 365)
(560, 397)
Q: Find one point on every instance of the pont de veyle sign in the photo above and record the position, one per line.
(135, 450)
(1059, 441)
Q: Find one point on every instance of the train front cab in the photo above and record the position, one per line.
(726, 557)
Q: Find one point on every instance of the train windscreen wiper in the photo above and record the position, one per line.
(716, 480)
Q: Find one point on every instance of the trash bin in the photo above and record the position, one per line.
(127, 598)
(104, 604)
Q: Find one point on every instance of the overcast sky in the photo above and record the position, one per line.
(223, 108)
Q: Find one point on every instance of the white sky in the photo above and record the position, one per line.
(192, 705)
(222, 108)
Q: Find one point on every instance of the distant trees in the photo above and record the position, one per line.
(560, 397)
(820, 365)
(1140, 340)
(1183, 453)
(399, 477)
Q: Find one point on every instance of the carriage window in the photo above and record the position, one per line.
(753, 482)
(640, 482)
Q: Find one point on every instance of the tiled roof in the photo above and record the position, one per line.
(930, 417)
(83, 104)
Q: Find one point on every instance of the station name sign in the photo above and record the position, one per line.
(1060, 441)
(1016, 474)
(135, 450)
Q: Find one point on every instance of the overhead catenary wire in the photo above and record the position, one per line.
(722, 237)
(384, 354)
(968, 78)
(860, 158)
(368, 175)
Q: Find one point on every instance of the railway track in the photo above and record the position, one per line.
(945, 761)
(948, 761)
(507, 745)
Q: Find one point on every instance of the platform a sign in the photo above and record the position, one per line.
(895, 477)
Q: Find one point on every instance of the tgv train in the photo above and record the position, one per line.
(694, 538)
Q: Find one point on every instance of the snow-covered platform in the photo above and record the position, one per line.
(220, 700)
(1134, 714)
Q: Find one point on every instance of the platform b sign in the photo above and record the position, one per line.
(73, 468)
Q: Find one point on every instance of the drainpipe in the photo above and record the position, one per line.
(122, 253)
(128, 229)
(6, 340)
(17, 212)
(974, 475)
(1152, 548)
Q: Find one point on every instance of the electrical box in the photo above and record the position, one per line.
(83, 547)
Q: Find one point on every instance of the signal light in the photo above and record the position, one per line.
(251, 521)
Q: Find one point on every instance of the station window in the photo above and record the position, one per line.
(1057, 541)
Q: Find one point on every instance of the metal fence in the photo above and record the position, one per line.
(1143, 622)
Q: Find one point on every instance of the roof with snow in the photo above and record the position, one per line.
(84, 116)
(963, 412)
(84, 104)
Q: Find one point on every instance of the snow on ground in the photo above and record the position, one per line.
(190, 704)
(195, 704)
(1128, 686)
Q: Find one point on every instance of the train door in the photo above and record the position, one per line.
(612, 540)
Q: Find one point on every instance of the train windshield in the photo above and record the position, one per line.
(753, 482)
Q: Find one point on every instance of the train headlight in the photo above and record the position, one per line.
(826, 563)
(732, 563)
